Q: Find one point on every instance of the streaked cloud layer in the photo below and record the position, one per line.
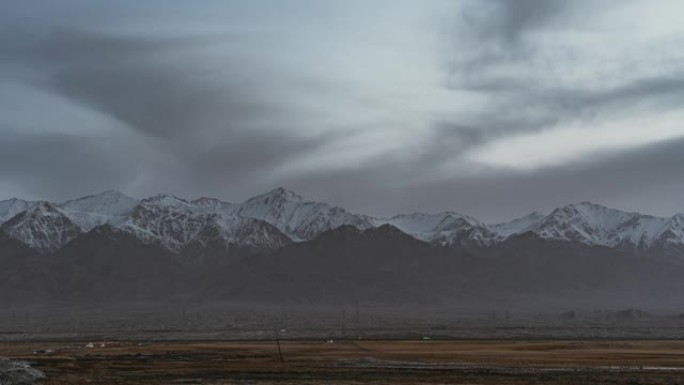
(492, 108)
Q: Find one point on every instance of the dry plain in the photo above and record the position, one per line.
(355, 362)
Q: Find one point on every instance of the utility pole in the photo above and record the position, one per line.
(280, 351)
(344, 323)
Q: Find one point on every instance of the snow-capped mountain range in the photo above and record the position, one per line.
(278, 217)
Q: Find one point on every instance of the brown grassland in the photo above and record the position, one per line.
(355, 362)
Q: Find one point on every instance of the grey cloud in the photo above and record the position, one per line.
(629, 180)
(490, 32)
(650, 180)
(504, 21)
(156, 86)
(233, 169)
(200, 116)
(205, 128)
(494, 34)
(55, 165)
(521, 109)
(61, 46)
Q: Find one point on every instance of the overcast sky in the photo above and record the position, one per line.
(492, 108)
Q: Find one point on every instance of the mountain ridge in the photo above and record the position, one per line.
(282, 248)
(174, 222)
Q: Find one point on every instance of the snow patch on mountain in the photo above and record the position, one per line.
(670, 239)
(43, 227)
(107, 203)
(299, 219)
(176, 224)
(584, 222)
(446, 229)
(109, 207)
(280, 216)
(227, 232)
(166, 220)
(594, 224)
(12, 207)
(517, 226)
(215, 205)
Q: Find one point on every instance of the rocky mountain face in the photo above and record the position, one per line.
(279, 245)
(299, 219)
(108, 264)
(43, 226)
(12, 207)
(585, 223)
(265, 222)
(596, 225)
(445, 229)
(348, 265)
(278, 217)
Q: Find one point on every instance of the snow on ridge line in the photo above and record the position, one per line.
(43, 226)
(583, 222)
(110, 202)
(301, 220)
(599, 225)
(11, 207)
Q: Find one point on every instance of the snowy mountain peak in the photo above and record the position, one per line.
(224, 232)
(43, 227)
(109, 193)
(588, 204)
(213, 204)
(596, 213)
(594, 224)
(581, 208)
(280, 216)
(297, 218)
(417, 223)
(207, 202)
(40, 208)
(446, 228)
(12, 207)
(109, 202)
(677, 219)
(164, 220)
(278, 194)
(108, 207)
(532, 217)
(518, 225)
(165, 200)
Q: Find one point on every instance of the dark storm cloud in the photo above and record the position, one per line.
(207, 126)
(649, 179)
(489, 34)
(156, 86)
(62, 163)
(502, 22)
(491, 31)
(239, 110)
(59, 47)
(494, 35)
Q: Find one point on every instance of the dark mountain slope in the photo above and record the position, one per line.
(348, 265)
(527, 265)
(25, 274)
(107, 264)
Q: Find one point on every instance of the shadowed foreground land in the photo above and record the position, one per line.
(356, 362)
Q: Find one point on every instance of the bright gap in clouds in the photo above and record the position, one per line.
(575, 142)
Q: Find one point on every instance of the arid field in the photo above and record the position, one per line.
(354, 362)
